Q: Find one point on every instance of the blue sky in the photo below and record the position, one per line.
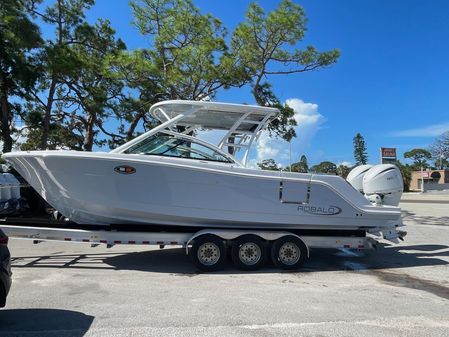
(390, 84)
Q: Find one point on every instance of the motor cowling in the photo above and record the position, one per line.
(355, 177)
(384, 180)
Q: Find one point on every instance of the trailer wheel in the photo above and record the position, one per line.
(208, 252)
(289, 252)
(249, 252)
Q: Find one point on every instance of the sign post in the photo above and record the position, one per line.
(422, 180)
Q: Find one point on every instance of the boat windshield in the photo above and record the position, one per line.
(171, 145)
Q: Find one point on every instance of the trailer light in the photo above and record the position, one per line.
(4, 240)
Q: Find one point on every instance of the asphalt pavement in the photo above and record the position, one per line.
(68, 289)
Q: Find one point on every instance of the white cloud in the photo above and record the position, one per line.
(309, 122)
(252, 163)
(428, 131)
(345, 163)
(267, 147)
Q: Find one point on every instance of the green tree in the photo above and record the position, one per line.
(343, 170)
(96, 88)
(301, 166)
(19, 37)
(135, 70)
(58, 63)
(265, 45)
(406, 172)
(188, 58)
(86, 76)
(360, 155)
(419, 157)
(325, 167)
(80, 86)
(268, 164)
(191, 60)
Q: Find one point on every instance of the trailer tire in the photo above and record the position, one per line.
(2, 295)
(289, 252)
(249, 252)
(208, 252)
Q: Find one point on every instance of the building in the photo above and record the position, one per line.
(433, 180)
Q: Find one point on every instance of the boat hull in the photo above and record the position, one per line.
(106, 188)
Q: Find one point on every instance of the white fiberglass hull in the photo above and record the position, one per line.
(109, 188)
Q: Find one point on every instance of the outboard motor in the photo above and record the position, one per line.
(383, 185)
(355, 177)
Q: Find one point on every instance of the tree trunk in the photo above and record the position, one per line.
(256, 87)
(47, 116)
(132, 127)
(5, 117)
(89, 137)
(52, 89)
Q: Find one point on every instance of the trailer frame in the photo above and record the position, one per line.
(112, 238)
(40, 230)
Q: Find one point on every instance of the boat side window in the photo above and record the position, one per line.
(170, 146)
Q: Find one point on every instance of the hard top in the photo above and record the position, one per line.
(214, 115)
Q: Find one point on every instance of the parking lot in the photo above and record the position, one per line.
(63, 289)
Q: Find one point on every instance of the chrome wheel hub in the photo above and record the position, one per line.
(289, 253)
(249, 253)
(208, 254)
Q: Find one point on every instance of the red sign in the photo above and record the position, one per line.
(425, 174)
(388, 152)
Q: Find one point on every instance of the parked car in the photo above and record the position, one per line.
(5, 268)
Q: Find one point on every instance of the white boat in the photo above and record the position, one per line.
(166, 177)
